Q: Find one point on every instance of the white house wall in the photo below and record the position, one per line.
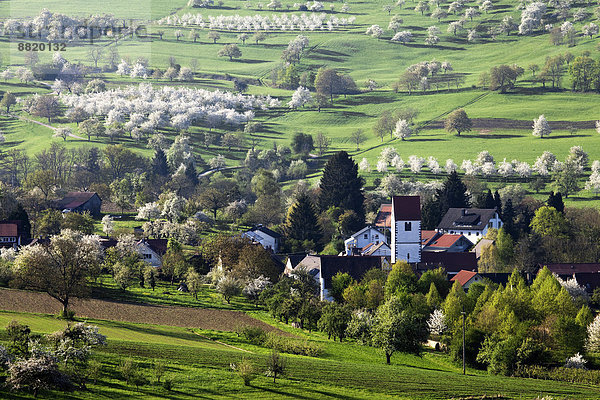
(406, 245)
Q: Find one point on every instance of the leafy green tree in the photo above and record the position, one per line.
(401, 278)
(397, 328)
(334, 320)
(339, 283)
(505, 246)
(434, 300)
(549, 222)
(8, 100)
(83, 223)
(341, 186)
(458, 122)
(230, 50)
(122, 193)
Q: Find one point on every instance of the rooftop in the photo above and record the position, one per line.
(407, 208)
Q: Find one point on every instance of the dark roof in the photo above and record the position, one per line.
(296, 258)
(372, 249)
(467, 218)
(589, 280)
(75, 199)
(159, 246)
(331, 265)
(107, 243)
(452, 262)
(407, 208)
(9, 228)
(384, 216)
(266, 231)
(463, 276)
(573, 268)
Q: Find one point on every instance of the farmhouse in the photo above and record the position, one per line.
(269, 239)
(323, 268)
(363, 239)
(473, 223)
(12, 233)
(80, 202)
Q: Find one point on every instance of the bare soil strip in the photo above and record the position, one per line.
(201, 318)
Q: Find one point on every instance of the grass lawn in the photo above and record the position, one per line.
(200, 368)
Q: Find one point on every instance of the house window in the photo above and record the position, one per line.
(377, 237)
(147, 256)
(407, 256)
(477, 234)
(408, 226)
(491, 225)
(366, 236)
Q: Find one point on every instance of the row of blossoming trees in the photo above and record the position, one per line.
(283, 22)
(547, 164)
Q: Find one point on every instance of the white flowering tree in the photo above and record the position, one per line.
(541, 127)
(300, 97)
(398, 163)
(403, 129)
(450, 166)
(592, 343)
(149, 211)
(375, 31)
(403, 37)
(364, 165)
(436, 324)
(108, 225)
(416, 163)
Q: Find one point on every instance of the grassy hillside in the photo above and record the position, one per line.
(200, 368)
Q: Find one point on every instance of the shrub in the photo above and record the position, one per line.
(292, 346)
(37, 374)
(254, 334)
(275, 365)
(245, 370)
(131, 373)
(168, 384)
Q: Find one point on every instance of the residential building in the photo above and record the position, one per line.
(12, 233)
(269, 239)
(323, 268)
(466, 278)
(380, 249)
(444, 242)
(361, 239)
(473, 223)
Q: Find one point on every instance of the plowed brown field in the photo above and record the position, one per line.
(202, 318)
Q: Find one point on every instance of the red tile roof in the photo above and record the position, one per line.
(9, 229)
(463, 276)
(446, 240)
(384, 216)
(426, 236)
(407, 208)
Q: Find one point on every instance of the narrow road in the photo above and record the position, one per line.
(43, 124)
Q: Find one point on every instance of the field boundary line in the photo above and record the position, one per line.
(219, 342)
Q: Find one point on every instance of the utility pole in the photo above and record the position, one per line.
(463, 344)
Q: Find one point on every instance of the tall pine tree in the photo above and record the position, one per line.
(341, 186)
(301, 222)
(556, 201)
(486, 200)
(159, 163)
(498, 203)
(453, 194)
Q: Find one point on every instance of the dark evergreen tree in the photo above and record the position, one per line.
(431, 214)
(556, 201)
(341, 186)
(498, 203)
(191, 174)
(453, 194)
(488, 200)
(19, 214)
(301, 223)
(92, 161)
(159, 163)
(508, 215)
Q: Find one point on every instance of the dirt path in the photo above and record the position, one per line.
(202, 318)
(43, 124)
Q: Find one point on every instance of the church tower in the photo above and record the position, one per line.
(406, 229)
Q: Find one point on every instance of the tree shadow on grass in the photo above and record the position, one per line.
(250, 61)
(426, 140)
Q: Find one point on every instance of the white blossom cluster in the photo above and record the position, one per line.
(148, 108)
(283, 22)
(53, 26)
(531, 17)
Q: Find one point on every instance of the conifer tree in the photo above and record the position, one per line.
(556, 201)
(341, 186)
(498, 203)
(508, 214)
(159, 163)
(301, 222)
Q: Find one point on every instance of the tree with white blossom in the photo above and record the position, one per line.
(364, 165)
(450, 166)
(541, 127)
(403, 129)
(300, 97)
(375, 31)
(592, 343)
(398, 163)
(403, 37)
(436, 324)
(415, 163)
(149, 211)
